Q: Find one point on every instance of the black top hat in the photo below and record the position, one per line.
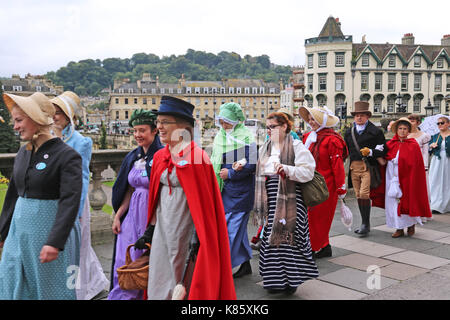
(176, 107)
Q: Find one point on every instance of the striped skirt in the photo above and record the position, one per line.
(286, 266)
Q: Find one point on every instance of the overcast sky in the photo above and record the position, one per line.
(37, 36)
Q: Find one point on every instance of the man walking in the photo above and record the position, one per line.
(365, 143)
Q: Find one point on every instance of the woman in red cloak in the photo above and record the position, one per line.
(406, 195)
(329, 150)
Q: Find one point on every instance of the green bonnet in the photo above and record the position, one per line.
(231, 112)
(142, 116)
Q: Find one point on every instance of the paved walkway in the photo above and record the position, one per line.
(375, 267)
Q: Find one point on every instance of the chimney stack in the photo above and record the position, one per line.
(408, 39)
(445, 41)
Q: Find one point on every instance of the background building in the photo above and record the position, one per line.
(256, 97)
(388, 76)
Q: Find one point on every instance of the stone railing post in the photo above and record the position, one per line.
(101, 222)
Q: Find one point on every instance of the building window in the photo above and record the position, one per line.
(206, 101)
(364, 81)
(130, 90)
(153, 101)
(339, 82)
(154, 91)
(247, 90)
(162, 90)
(378, 81)
(171, 90)
(135, 100)
(179, 91)
(126, 114)
(417, 81)
(231, 90)
(391, 82)
(197, 90)
(188, 90)
(392, 61)
(197, 101)
(365, 60)
(261, 90)
(126, 100)
(144, 90)
(417, 61)
(239, 90)
(310, 61)
(322, 81)
(272, 91)
(254, 90)
(404, 84)
(144, 100)
(377, 104)
(263, 101)
(390, 104)
(117, 115)
(247, 102)
(440, 62)
(117, 100)
(416, 105)
(120, 90)
(197, 114)
(340, 59)
(448, 82)
(38, 88)
(437, 82)
(310, 82)
(322, 60)
(205, 90)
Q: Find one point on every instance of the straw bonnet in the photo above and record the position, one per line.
(37, 106)
(361, 107)
(318, 114)
(396, 123)
(69, 102)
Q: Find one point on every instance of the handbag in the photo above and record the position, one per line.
(133, 275)
(375, 176)
(315, 191)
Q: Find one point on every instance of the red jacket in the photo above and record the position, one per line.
(212, 278)
(411, 173)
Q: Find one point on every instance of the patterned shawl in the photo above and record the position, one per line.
(286, 207)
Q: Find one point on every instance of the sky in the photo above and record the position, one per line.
(38, 36)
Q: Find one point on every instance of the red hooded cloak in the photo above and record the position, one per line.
(212, 278)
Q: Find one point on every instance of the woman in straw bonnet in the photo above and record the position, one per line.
(330, 151)
(234, 161)
(285, 256)
(92, 280)
(406, 196)
(130, 197)
(39, 218)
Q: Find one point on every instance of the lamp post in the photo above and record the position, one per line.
(401, 107)
(429, 109)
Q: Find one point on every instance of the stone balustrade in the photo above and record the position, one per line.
(101, 160)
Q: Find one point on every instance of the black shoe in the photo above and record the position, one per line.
(364, 209)
(244, 270)
(324, 252)
(436, 212)
(290, 290)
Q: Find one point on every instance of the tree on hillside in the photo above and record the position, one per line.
(8, 140)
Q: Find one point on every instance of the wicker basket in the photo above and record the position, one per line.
(134, 274)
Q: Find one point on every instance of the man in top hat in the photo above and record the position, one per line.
(370, 144)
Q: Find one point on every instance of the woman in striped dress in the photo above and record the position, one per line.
(285, 257)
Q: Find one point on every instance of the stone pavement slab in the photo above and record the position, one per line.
(401, 271)
(357, 280)
(321, 290)
(363, 246)
(360, 261)
(418, 259)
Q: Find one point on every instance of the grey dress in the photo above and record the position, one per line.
(170, 244)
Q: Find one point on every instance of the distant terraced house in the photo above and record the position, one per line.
(29, 85)
(257, 97)
(339, 71)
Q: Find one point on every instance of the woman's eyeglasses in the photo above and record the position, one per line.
(440, 123)
(273, 126)
(164, 123)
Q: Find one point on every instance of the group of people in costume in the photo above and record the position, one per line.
(194, 208)
(45, 221)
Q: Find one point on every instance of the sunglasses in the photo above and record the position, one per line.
(440, 123)
(273, 126)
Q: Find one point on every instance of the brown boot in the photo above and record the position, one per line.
(411, 230)
(399, 233)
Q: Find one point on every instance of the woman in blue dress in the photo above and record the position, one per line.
(130, 197)
(92, 280)
(39, 229)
